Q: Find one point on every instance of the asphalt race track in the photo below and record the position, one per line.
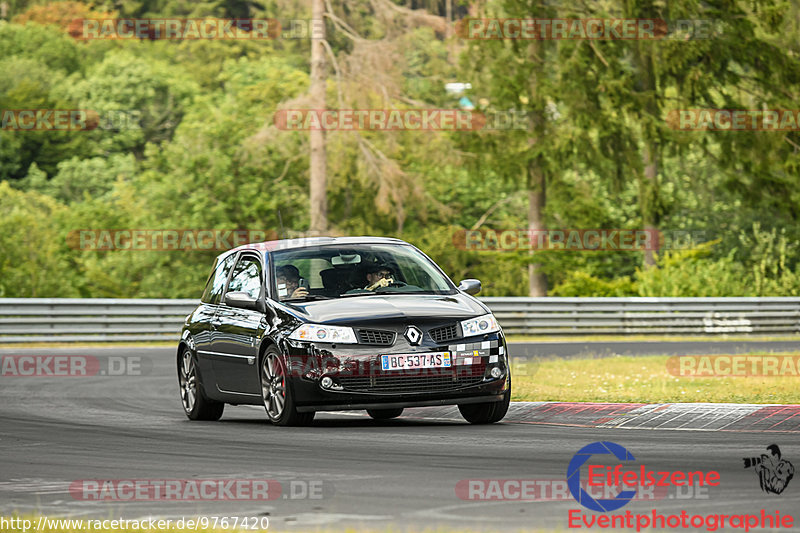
(398, 475)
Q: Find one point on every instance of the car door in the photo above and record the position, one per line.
(204, 337)
(234, 346)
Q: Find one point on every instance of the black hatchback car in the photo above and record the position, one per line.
(324, 324)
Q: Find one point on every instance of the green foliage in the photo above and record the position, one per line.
(427, 67)
(692, 273)
(32, 263)
(199, 148)
(54, 50)
(34, 60)
(152, 94)
(695, 273)
(77, 179)
(769, 260)
(580, 283)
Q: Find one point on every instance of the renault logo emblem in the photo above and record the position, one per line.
(413, 334)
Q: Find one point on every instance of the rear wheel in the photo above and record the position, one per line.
(276, 391)
(384, 414)
(195, 404)
(486, 413)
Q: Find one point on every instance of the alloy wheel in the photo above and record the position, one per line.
(187, 379)
(273, 386)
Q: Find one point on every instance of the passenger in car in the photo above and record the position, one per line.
(288, 280)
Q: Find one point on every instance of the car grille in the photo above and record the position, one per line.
(444, 333)
(400, 384)
(376, 336)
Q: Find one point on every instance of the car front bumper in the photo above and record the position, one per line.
(358, 382)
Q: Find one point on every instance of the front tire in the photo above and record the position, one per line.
(486, 413)
(385, 414)
(277, 394)
(194, 401)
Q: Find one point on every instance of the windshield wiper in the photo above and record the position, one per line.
(368, 293)
(405, 292)
(384, 293)
(308, 298)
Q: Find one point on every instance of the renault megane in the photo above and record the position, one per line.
(324, 324)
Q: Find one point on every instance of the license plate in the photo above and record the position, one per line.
(416, 360)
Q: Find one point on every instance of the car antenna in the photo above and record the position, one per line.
(282, 233)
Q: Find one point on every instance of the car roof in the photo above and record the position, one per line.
(307, 242)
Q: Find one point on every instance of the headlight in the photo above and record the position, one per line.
(318, 333)
(480, 325)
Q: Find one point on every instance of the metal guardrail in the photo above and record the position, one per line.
(106, 319)
(646, 316)
(91, 319)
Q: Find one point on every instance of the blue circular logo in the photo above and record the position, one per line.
(574, 477)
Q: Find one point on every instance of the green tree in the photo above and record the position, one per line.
(531, 158)
(138, 100)
(78, 178)
(34, 60)
(33, 262)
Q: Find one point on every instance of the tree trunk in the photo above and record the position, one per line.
(318, 165)
(448, 31)
(535, 180)
(649, 191)
(649, 114)
(537, 281)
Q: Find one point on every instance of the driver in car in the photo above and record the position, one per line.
(378, 276)
(288, 279)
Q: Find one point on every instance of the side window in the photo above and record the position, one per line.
(213, 292)
(247, 277)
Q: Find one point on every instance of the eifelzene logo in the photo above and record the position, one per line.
(618, 476)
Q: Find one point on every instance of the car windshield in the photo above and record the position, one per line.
(338, 271)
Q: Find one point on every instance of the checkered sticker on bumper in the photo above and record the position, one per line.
(476, 352)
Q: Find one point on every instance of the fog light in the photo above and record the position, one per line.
(326, 382)
(496, 372)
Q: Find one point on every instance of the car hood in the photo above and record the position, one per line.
(392, 306)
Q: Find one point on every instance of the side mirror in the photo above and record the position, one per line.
(242, 300)
(470, 286)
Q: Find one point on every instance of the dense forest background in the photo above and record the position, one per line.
(599, 151)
